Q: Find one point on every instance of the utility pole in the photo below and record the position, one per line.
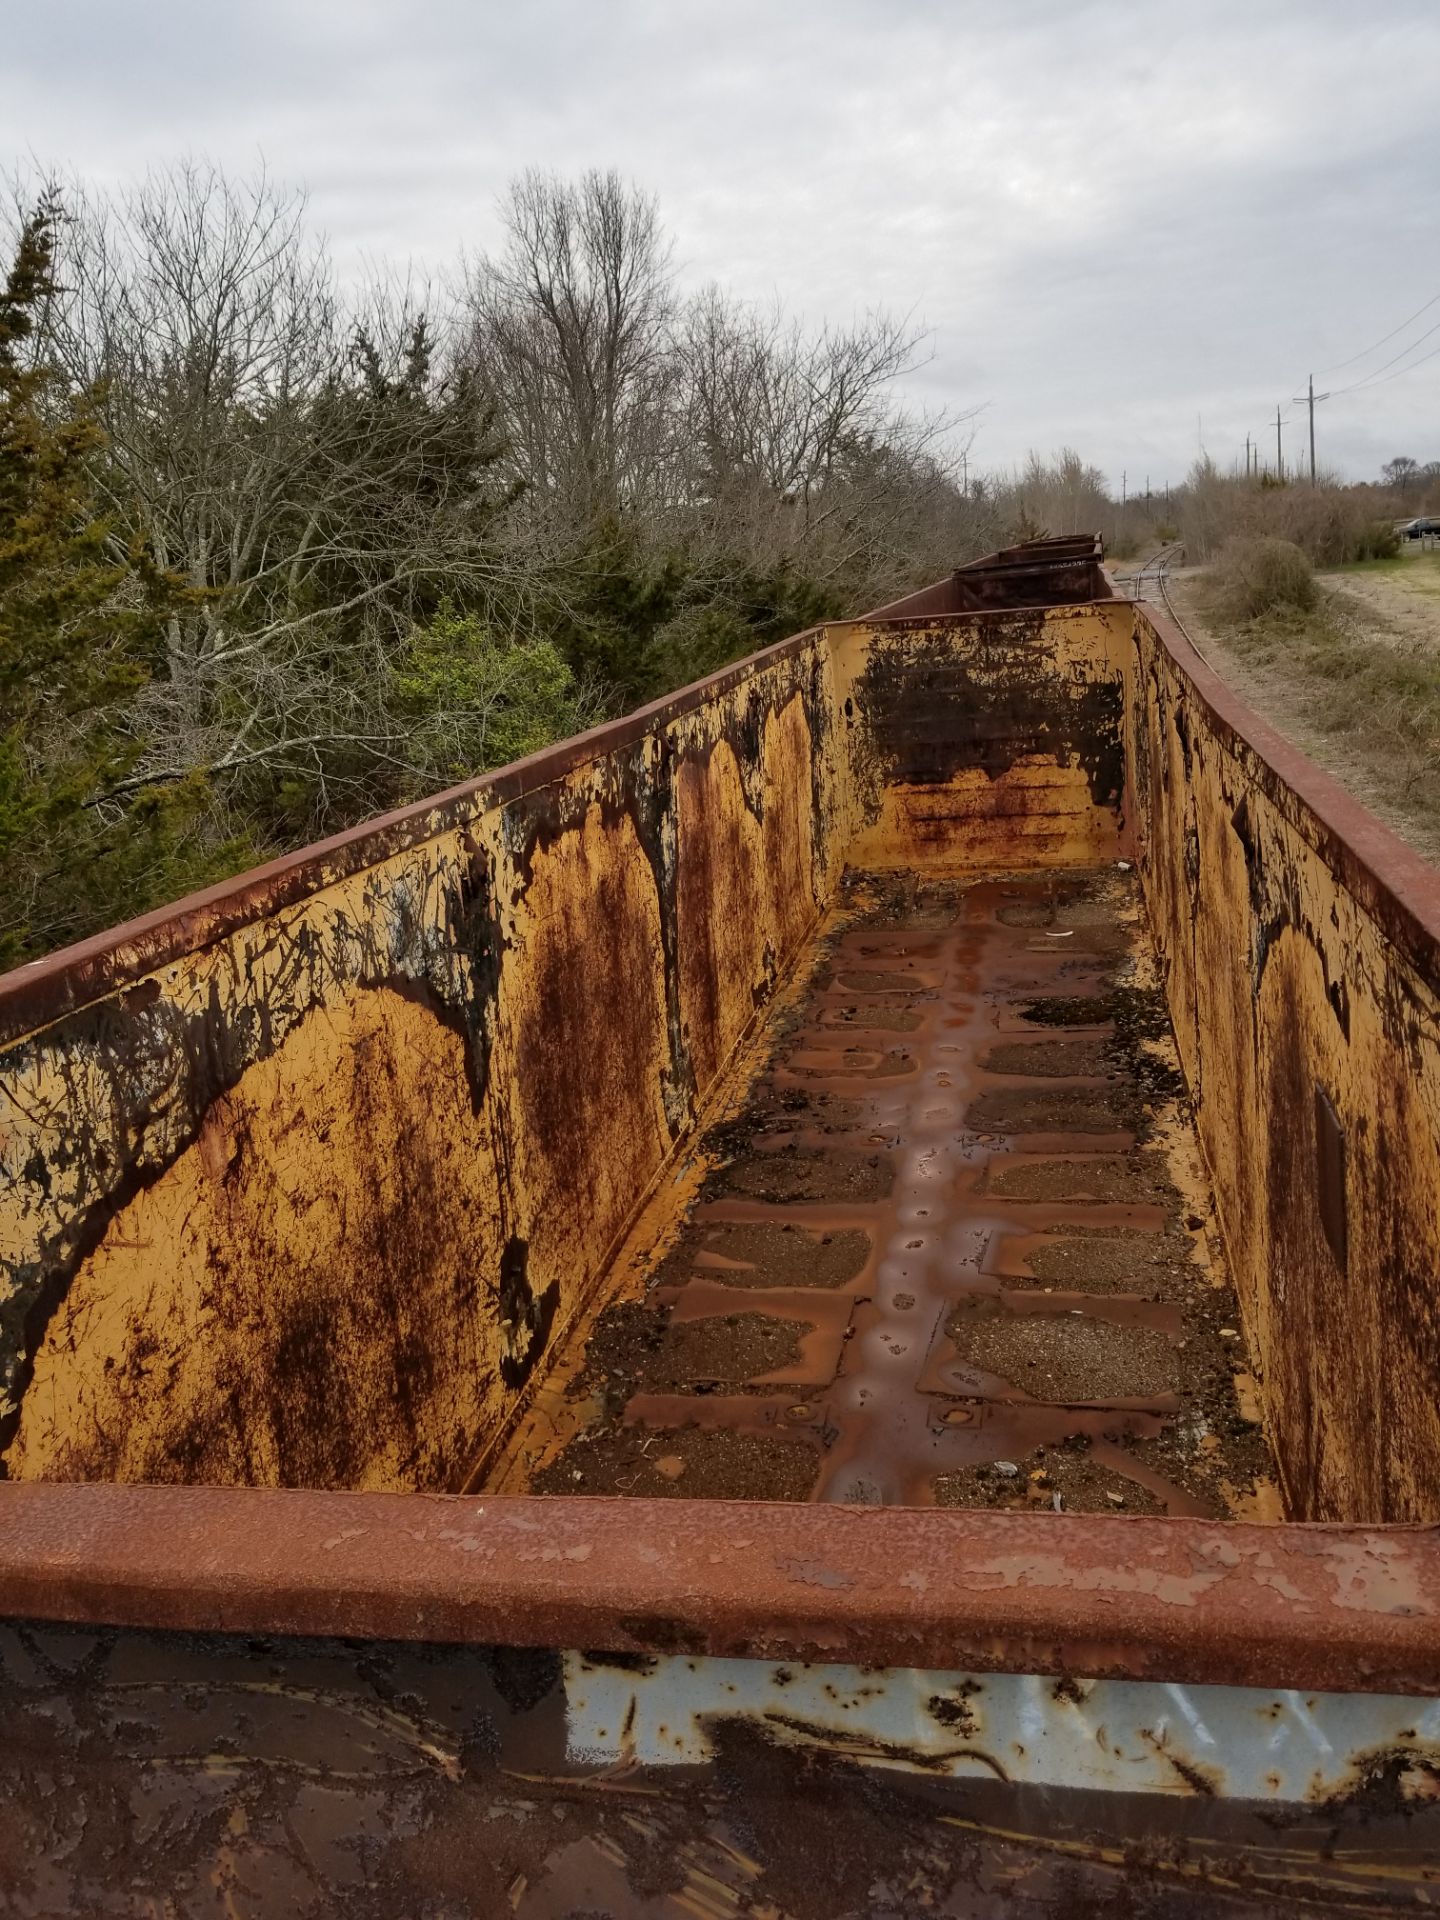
(1312, 429)
(1247, 456)
(1311, 400)
(1123, 478)
(1279, 451)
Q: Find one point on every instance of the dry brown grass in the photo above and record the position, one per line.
(1362, 699)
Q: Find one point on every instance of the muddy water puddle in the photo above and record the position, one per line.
(943, 1254)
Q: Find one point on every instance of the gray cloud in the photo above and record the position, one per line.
(1118, 219)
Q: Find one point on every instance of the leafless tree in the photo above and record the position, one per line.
(798, 447)
(402, 540)
(290, 456)
(768, 401)
(712, 426)
(569, 330)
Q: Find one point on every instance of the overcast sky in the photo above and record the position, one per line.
(1126, 225)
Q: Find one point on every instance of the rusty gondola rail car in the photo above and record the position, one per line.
(822, 1301)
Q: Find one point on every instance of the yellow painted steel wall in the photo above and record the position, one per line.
(307, 1206)
(1308, 1022)
(991, 742)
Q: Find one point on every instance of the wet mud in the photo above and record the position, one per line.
(691, 1463)
(942, 1255)
(1072, 1473)
(765, 1255)
(1068, 1355)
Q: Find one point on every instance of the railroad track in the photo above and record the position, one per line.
(1151, 581)
(1148, 579)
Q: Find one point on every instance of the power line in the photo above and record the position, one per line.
(1371, 379)
(1400, 374)
(1379, 378)
(1384, 340)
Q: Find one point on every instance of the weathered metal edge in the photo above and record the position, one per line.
(1340, 1609)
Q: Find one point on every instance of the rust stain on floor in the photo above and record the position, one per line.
(951, 1246)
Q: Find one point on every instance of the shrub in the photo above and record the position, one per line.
(1330, 523)
(1378, 540)
(469, 697)
(1256, 575)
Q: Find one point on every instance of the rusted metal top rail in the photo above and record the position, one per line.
(1343, 1609)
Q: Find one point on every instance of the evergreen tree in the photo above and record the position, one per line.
(78, 619)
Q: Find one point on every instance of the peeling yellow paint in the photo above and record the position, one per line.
(1286, 991)
(1034, 814)
(994, 710)
(294, 1301)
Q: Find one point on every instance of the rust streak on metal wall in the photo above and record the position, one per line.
(287, 1267)
(312, 1202)
(994, 742)
(1305, 993)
